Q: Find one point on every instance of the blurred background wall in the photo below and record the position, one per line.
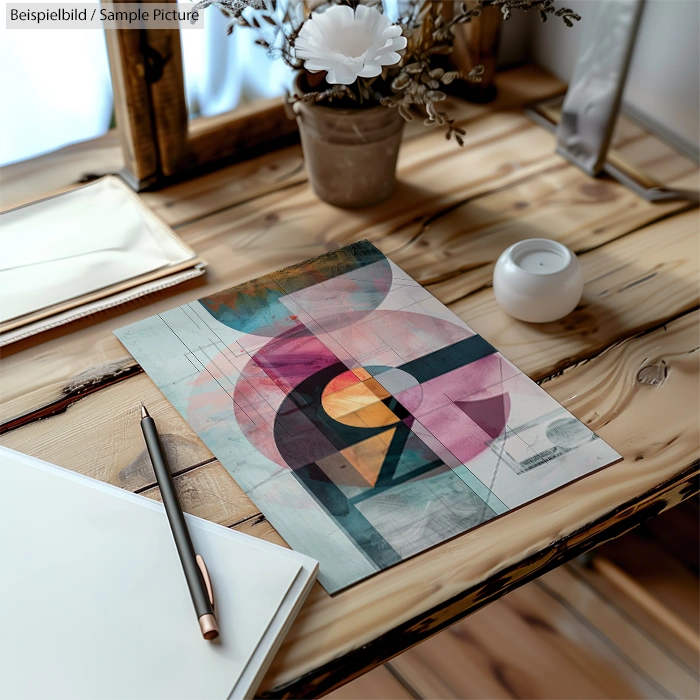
(56, 89)
(663, 84)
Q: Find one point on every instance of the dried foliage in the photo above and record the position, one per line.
(543, 7)
(412, 86)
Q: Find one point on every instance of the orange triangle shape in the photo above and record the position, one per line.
(368, 456)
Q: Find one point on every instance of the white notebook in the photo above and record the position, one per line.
(94, 603)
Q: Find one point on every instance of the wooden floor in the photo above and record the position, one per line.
(570, 634)
(532, 644)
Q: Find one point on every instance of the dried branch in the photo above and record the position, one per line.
(414, 84)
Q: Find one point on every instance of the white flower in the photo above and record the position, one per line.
(349, 43)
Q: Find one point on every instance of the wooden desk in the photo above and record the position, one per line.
(624, 362)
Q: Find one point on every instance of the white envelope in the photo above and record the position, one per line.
(75, 243)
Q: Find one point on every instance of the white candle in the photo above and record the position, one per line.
(541, 262)
(538, 280)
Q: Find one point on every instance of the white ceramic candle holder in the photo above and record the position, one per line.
(538, 280)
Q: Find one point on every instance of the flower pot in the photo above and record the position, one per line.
(350, 154)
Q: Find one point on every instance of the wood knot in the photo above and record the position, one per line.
(579, 321)
(653, 375)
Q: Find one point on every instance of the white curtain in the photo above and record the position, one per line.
(223, 71)
(56, 88)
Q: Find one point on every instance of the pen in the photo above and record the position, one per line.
(193, 565)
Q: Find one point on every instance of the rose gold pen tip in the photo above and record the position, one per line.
(144, 412)
(210, 630)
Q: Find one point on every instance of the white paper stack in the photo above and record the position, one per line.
(94, 603)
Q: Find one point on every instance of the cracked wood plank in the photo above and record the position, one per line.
(255, 238)
(454, 257)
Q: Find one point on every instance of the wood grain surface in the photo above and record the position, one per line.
(379, 684)
(666, 571)
(677, 605)
(625, 362)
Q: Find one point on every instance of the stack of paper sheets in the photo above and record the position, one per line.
(95, 605)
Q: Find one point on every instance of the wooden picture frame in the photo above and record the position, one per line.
(158, 138)
(476, 44)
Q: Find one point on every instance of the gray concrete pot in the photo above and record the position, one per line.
(350, 154)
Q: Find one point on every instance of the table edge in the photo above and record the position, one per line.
(616, 522)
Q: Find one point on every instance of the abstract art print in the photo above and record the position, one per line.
(365, 420)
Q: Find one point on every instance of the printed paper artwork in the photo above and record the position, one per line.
(365, 420)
